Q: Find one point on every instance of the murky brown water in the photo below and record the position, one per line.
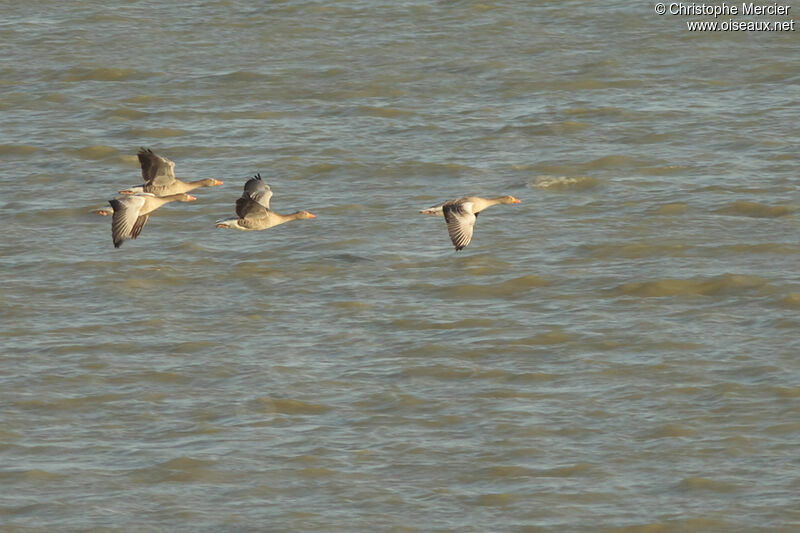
(618, 352)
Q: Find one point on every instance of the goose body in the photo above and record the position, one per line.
(253, 209)
(130, 213)
(159, 177)
(461, 214)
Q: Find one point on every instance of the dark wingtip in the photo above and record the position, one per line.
(255, 181)
(117, 244)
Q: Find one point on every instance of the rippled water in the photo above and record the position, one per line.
(617, 352)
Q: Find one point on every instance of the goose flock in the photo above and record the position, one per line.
(130, 211)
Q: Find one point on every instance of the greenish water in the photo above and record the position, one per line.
(618, 352)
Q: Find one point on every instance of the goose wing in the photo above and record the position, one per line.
(126, 217)
(257, 190)
(460, 222)
(255, 198)
(156, 170)
(137, 227)
(249, 208)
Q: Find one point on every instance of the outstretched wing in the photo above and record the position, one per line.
(460, 222)
(257, 190)
(156, 170)
(126, 214)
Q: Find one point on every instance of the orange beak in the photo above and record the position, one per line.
(217, 182)
(311, 215)
(515, 201)
(191, 198)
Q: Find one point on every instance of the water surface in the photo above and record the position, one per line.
(618, 352)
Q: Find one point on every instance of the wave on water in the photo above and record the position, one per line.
(613, 162)
(595, 84)
(157, 133)
(744, 208)
(632, 250)
(760, 248)
(467, 323)
(248, 115)
(124, 113)
(610, 112)
(663, 170)
(791, 300)
(16, 149)
(559, 183)
(674, 208)
(553, 128)
(243, 75)
(33, 475)
(182, 469)
(553, 336)
(503, 289)
(717, 286)
(95, 152)
(701, 484)
(288, 406)
(427, 168)
(384, 112)
(617, 161)
(105, 74)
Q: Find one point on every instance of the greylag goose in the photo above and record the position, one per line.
(132, 211)
(159, 176)
(461, 215)
(253, 209)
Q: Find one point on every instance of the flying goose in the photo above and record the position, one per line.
(253, 209)
(461, 215)
(132, 211)
(159, 176)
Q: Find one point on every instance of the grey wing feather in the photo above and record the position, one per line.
(241, 205)
(126, 213)
(460, 223)
(156, 170)
(137, 227)
(262, 197)
(246, 207)
(257, 190)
